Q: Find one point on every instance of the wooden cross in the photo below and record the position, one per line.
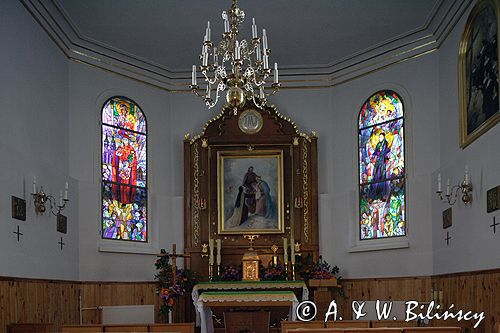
(17, 233)
(494, 225)
(61, 243)
(174, 256)
(447, 238)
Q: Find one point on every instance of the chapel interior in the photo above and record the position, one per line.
(347, 154)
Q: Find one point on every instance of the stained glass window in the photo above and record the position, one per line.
(124, 171)
(382, 167)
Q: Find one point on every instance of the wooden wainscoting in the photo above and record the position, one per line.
(57, 302)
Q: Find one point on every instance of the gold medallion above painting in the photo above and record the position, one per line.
(250, 173)
(479, 72)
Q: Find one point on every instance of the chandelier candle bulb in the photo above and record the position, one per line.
(257, 53)
(226, 25)
(275, 72)
(193, 76)
(207, 33)
(266, 61)
(254, 28)
(439, 183)
(264, 39)
(285, 250)
(237, 53)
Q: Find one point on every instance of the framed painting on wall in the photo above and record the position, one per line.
(250, 192)
(478, 72)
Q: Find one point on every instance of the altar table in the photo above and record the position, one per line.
(210, 299)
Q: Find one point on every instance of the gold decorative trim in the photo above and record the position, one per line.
(305, 190)
(465, 138)
(196, 196)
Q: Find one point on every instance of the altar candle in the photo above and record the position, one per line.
(211, 251)
(218, 241)
(285, 250)
(439, 183)
(292, 251)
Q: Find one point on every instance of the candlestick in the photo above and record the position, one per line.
(264, 39)
(266, 61)
(258, 53)
(208, 33)
(210, 252)
(466, 178)
(292, 251)
(237, 54)
(226, 25)
(439, 183)
(218, 241)
(66, 191)
(254, 29)
(285, 250)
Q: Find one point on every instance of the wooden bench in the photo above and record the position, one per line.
(30, 328)
(392, 323)
(82, 328)
(348, 324)
(127, 328)
(433, 330)
(286, 326)
(177, 327)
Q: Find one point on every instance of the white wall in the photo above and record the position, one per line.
(473, 246)
(34, 127)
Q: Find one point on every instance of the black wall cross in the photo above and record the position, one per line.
(494, 225)
(17, 233)
(61, 243)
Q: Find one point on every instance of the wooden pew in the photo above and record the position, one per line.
(286, 326)
(127, 328)
(374, 330)
(392, 323)
(317, 330)
(348, 324)
(433, 330)
(177, 327)
(30, 328)
(82, 328)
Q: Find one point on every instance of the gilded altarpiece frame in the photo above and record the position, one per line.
(296, 197)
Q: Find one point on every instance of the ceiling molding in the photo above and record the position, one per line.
(78, 47)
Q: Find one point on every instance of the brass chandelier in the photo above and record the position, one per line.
(247, 62)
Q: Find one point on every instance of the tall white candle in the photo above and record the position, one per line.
(193, 76)
(254, 29)
(285, 250)
(439, 182)
(448, 189)
(226, 25)
(205, 56)
(292, 251)
(66, 191)
(258, 54)
(266, 61)
(275, 72)
(218, 241)
(211, 251)
(34, 184)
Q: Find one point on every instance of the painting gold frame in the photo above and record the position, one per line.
(466, 136)
(222, 188)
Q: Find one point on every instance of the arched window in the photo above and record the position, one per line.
(124, 170)
(381, 167)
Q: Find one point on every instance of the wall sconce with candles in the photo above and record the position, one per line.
(40, 198)
(452, 191)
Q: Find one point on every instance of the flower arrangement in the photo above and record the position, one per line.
(167, 290)
(319, 271)
(230, 273)
(272, 272)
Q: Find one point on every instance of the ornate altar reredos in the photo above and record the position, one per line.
(250, 173)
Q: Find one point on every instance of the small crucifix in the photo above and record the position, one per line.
(17, 233)
(61, 243)
(251, 238)
(494, 225)
(174, 256)
(447, 238)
